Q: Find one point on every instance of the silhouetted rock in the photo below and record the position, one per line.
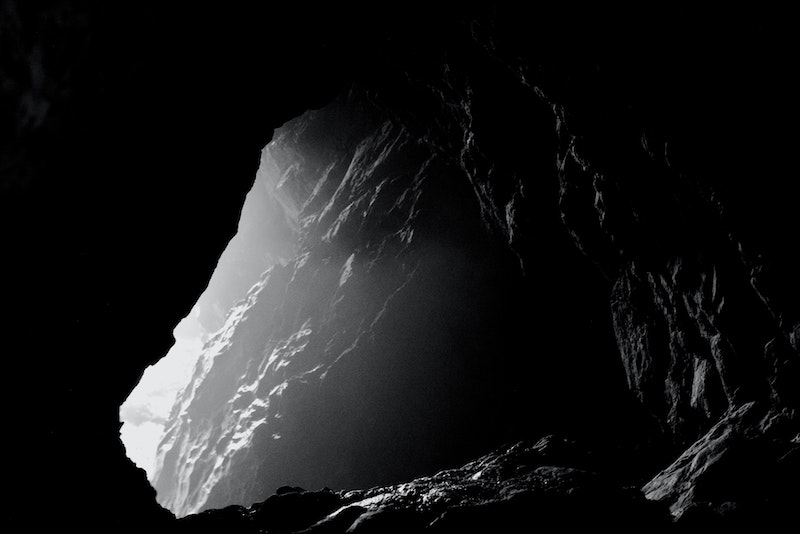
(234, 519)
(289, 489)
(509, 489)
(289, 512)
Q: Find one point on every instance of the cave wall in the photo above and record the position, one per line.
(130, 136)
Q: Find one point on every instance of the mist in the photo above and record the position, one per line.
(265, 236)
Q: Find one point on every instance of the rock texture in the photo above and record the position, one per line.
(543, 484)
(641, 194)
(614, 191)
(740, 471)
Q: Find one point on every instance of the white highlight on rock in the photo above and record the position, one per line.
(347, 270)
(143, 413)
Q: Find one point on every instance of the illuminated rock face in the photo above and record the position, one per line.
(358, 361)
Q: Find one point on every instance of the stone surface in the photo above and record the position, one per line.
(543, 484)
(741, 471)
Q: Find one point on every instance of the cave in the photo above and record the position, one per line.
(526, 267)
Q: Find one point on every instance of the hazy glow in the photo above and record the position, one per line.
(265, 236)
(144, 412)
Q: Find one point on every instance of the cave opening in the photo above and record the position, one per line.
(368, 324)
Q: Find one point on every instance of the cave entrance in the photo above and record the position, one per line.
(346, 343)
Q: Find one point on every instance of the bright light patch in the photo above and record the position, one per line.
(144, 412)
(265, 237)
(140, 444)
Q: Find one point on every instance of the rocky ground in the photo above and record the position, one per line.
(741, 473)
(546, 484)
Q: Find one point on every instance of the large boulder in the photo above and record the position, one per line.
(741, 472)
